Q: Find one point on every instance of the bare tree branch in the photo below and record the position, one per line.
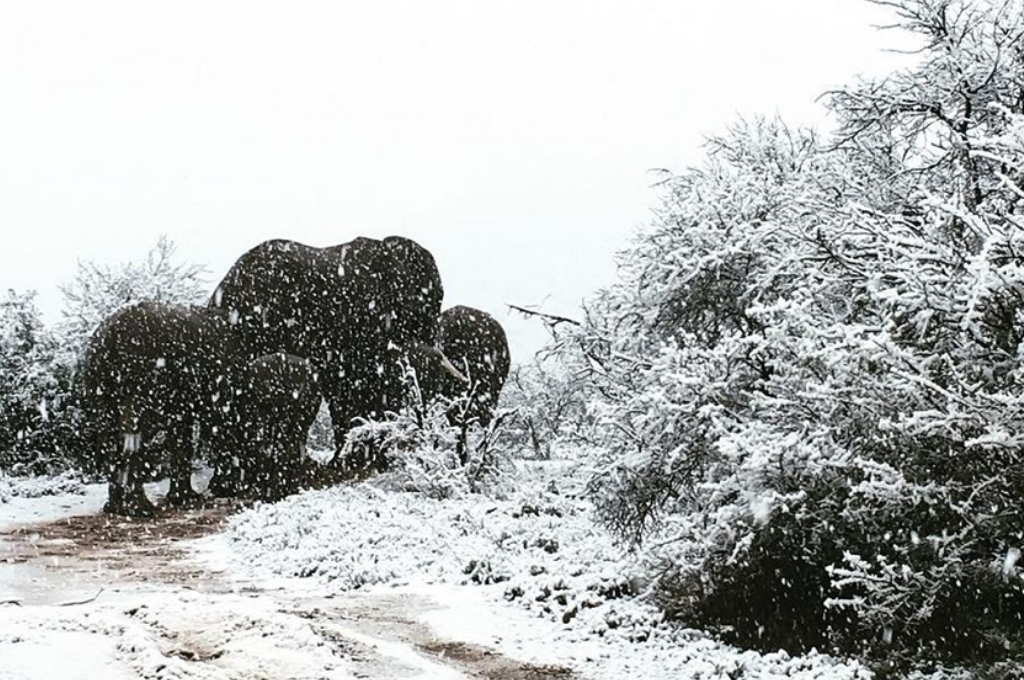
(552, 319)
(75, 603)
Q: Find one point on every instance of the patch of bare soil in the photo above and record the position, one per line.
(485, 663)
(144, 550)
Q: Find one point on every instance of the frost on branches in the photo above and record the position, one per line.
(39, 423)
(33, 387)
(98, 291)
(808, 379)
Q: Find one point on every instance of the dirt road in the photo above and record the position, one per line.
(136, 585)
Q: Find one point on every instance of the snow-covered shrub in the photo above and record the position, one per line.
(547, 397)
(34, 390)
(99, 290)
(68, 482)
(808, 378)
(420, 448)
(539, 545)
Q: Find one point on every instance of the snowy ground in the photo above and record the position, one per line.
(359, 581)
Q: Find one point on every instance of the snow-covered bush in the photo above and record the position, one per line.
(99, 290)
(67, 482)
(420, 448)
(808, 378)
(540, 544)
(547, 400)
(34, 390)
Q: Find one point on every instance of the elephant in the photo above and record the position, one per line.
(476, 344)
(275, 402)
(349, 309)
(150, 370)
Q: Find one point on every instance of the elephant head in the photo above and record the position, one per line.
(476, 344)
(467, 367)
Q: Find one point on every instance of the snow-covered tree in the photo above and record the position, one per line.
(33, 387)
(99, 290)
(808, 379)
(546, 402)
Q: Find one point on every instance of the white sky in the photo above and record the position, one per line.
(511, 138)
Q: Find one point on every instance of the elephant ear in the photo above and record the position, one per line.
(358, 271)
(418, 290)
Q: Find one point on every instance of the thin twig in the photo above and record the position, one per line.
(78, 602)
(551, 318)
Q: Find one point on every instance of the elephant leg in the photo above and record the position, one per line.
(181, 494)
(116, 482)
(136, 503)
(253, 465)
(117, 452)
(226, 480)
(276, 468)
(294, 448)
(462, 446)
(288, 450)
(267, 481)
(125, 495)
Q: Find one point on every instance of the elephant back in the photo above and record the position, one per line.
(139, 341)
(360, 292)
(271, 296)
(148, 363)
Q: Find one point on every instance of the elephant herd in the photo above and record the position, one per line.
(243, 377)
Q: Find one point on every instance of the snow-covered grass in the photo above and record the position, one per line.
(540, 544)
(39, 499)
(563, 591)
(35, 487)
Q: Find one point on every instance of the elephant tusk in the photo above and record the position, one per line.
(450, 367)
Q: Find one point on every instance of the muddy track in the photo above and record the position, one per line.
(379, 633)
(144, 550)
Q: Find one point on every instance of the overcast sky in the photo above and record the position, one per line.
(511, 138)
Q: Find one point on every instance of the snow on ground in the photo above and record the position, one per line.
(530, 575)
(145, 633)
(85, 597)
(362, 580)
(29, 500)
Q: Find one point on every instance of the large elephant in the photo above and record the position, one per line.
(275, 402)
(350, 309)
(151, 374)
(476, 344)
